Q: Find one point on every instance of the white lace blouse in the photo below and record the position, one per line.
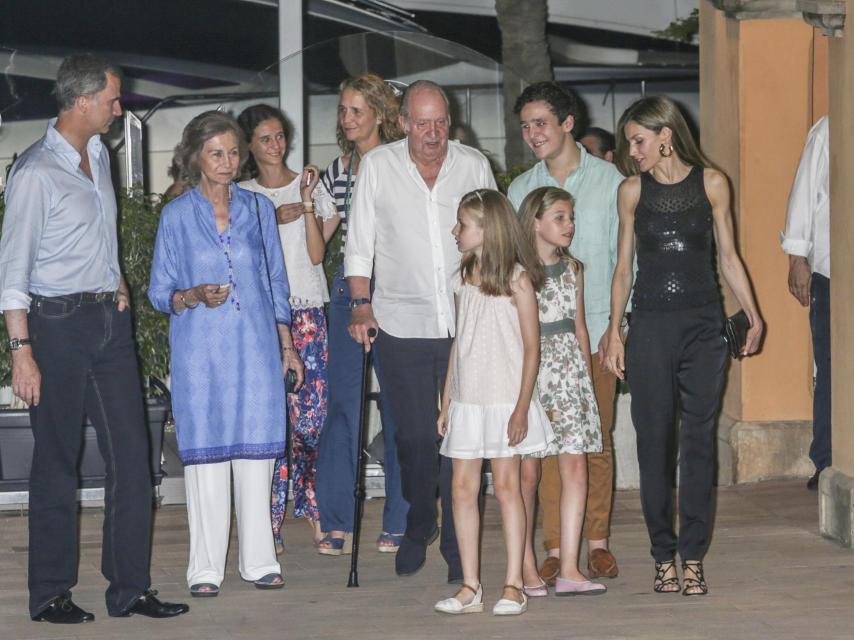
(307, 281)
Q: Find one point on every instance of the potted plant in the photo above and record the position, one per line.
(138, 218)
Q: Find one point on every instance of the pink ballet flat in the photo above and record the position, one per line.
(537, 591)
(567, 587)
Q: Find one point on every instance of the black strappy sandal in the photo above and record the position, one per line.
(660, 583)
(696, 585)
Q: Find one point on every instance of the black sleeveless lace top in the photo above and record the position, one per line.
(674, 243)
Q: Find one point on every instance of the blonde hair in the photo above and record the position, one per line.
(535, 205)
(504, 244)
(381, 99)
(655, 113)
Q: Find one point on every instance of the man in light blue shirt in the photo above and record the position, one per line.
(548, 115)
(66, 310)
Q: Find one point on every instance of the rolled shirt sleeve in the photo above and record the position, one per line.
(798, 238)
(361, 229)
(27, 206)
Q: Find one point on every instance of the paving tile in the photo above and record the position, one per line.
(771, 575)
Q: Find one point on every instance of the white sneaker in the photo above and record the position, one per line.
(505, 607)
(455, 607)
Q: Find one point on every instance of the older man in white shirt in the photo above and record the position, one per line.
(404, 207)
(807, 241)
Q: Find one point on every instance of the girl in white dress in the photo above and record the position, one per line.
(490, 406)
(566, 388)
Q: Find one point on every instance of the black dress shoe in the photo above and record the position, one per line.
(63, 611)
(148, 605)
(812, 483)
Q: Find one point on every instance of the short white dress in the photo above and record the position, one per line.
(486, 376)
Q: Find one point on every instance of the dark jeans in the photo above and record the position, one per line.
(85, 353)
(336, 464)
(820, 450)
(412, 375)
(675, 363)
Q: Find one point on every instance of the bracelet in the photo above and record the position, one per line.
(184, 302)
(288, 349)
(308, 205)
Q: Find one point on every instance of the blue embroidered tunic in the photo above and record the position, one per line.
(228, 395)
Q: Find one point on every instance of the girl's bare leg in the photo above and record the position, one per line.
(573, 499)
(465, 491)
(507, 483)
(530, 481)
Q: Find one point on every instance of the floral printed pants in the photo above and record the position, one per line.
(306, 414)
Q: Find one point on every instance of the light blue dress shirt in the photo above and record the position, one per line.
(59, 228)
(594, 186)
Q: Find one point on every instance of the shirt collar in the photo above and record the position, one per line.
(583, 164)
(446, 163)
(58, 143)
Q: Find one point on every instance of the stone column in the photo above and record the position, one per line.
(836, 486)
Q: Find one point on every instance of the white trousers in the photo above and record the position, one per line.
(209, 514)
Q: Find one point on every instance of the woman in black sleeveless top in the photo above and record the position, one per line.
(674, 210)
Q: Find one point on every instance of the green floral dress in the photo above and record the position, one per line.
(566, 389)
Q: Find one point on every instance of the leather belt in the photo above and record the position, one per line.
(86, 297)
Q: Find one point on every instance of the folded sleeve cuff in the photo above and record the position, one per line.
(11, 299)
(357, 266)
(795, 247)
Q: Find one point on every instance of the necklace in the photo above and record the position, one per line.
(225, 245)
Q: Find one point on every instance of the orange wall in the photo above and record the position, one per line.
(759, 96)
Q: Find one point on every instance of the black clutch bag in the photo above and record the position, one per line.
(735, 333)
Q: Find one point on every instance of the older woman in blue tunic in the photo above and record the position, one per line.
(219, 272)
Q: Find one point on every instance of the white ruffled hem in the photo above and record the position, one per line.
(480, 431)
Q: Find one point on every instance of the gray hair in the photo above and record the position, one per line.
(83, 74)
(421, 85)
(199, 130)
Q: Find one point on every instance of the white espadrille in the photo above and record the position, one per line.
(506, 607)
(456, 607)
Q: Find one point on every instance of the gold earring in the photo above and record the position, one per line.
(669, 148)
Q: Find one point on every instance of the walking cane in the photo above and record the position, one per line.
(358, 485)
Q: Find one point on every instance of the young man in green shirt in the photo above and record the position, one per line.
(548, 115)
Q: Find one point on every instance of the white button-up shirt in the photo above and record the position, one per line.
(401, 231)
(808, 217)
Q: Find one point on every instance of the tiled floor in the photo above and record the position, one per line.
(770, 574)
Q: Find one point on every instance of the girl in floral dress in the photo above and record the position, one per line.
(565, 386)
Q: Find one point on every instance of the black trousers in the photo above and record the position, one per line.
(820, 449)
(85, 353)
(412, 375)
(675, 365)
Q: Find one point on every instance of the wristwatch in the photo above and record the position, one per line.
(355, 302)
(17, 343)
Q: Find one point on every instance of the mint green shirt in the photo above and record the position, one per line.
(594, 186)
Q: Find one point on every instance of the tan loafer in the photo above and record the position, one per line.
(602, 564)
(550, 570)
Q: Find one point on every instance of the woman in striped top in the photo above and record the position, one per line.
(367, 117)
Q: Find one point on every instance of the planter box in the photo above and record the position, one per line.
(16, 449)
